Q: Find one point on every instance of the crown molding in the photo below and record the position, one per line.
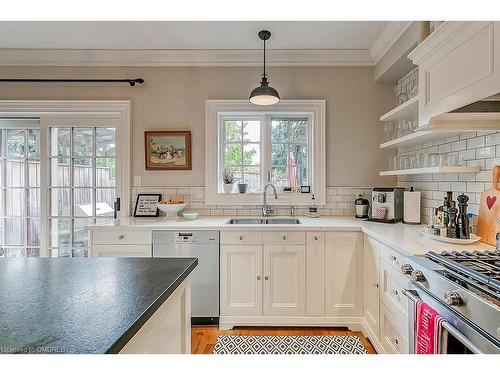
(158, 58)
(387, 37)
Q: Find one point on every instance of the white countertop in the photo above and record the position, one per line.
(401, 237)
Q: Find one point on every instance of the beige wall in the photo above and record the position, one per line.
(174, 98)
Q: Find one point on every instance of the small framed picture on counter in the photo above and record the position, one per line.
(145, 205)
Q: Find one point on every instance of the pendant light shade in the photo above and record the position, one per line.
(264, 94)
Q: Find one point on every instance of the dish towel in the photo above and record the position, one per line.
(428, 329)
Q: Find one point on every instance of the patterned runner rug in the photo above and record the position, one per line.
(289, 345)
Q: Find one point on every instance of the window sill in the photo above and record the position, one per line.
(233, 199)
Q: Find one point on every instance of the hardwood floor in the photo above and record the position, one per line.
(203, 338)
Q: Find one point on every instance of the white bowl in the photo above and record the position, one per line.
(171, 210)
(190, 215)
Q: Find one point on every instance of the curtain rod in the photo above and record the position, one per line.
(131, 82)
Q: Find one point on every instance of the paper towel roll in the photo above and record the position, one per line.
(411, 206)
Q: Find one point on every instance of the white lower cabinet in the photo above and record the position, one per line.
(121, 243)
(241, 280)
(284, 280)
(344, 273)
(393, 332)
(371, 285)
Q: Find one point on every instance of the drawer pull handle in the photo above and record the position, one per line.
(241, 238)
(393, 258)
(394, 292)
(121, 237)
(315, 238)
(284, 238)
(266, 278)
(394, 341)
(375, 285)
(258, 277)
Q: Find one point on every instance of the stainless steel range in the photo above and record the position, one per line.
(463, 287)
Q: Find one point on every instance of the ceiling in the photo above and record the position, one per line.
(137, 35)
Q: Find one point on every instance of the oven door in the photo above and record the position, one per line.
(458, 336)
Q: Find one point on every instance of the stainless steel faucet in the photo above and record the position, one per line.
(266, 211)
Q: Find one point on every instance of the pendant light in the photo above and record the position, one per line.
(264, 94)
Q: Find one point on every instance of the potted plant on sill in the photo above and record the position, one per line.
(228, 179)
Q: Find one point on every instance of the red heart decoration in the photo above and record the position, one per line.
(490, 201)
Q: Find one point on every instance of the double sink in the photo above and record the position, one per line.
(260, 221)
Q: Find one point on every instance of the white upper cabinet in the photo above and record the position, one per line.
(284, 280)
(459, 64)
(344, 273)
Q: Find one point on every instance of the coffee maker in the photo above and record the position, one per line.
(387, 205)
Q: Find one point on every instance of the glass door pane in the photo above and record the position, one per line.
(19, 187)
(82, 184)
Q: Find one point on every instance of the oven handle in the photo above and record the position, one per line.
(414, 297)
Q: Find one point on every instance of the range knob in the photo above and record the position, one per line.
(418, 276)
(452, 299)
(407, 269)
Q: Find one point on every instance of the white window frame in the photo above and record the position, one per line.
(53, 111)
(215, 110)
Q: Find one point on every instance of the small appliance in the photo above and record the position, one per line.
(411, 207)
(387, 205)
(362, 205)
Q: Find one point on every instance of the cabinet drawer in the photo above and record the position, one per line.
(284, 238)
(241, 238)
(391, 290)
(117, 237)
(392, 257)
(122, 251)
(392, 332)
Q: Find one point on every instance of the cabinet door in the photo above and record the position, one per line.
(241, 280)
(315, 273)
(122, 251)
(462, 70)
(284, 280)
(344, 276)
(371, 285)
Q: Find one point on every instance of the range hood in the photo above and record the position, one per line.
(480, 115)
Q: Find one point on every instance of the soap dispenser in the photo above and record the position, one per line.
(313, 209)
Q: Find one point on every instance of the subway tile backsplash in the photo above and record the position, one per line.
(475, 148)
(339, 201)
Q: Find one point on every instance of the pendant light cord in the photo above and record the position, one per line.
(264, 75)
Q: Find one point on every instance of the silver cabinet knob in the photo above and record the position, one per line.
(452, 299)
(394, 292)
(418, 276)
(266, 277)
(315, 238)
(258, 277)
(121, 237)
(242, 237)
(375, 285)
(394, 341)
(393, 258)
(407, 269)
(284, 238)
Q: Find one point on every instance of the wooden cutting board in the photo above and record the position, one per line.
(489, 211)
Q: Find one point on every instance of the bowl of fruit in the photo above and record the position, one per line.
(171, 207)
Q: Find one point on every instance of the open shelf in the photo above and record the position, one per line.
(444, 169)
(418, 137)
(405, 111)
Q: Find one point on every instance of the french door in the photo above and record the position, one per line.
(59, 174)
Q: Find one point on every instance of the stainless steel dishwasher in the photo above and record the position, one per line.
(203, 245)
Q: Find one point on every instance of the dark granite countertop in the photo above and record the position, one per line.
(82, 305)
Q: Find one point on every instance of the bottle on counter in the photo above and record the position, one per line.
(463, 227)
(313, 209)
(448, 202)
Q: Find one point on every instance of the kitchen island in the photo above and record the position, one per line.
(95, 305)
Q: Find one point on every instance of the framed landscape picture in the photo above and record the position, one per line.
(168, 150)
